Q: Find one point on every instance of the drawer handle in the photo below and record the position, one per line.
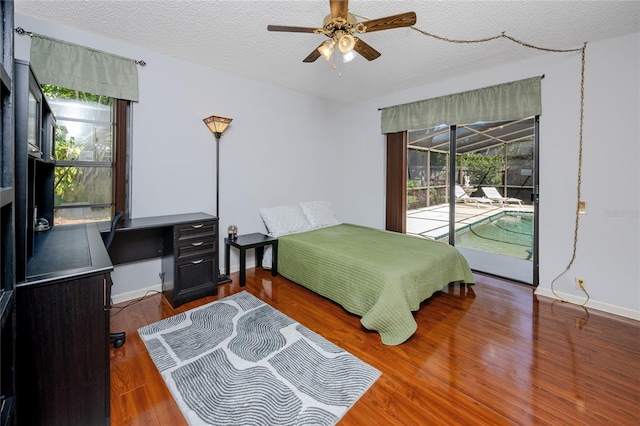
(195, 262)
(197, 226)
(197, 244)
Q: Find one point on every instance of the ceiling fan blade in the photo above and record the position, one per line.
(368, 52)
(313, 55)
(396, 21)
(339, 8)
(290, 29)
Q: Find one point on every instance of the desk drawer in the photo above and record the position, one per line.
(203, 247)
(184, 234)
(196, 274)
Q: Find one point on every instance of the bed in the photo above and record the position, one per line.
(378, 275)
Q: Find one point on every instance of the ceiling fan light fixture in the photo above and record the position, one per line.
(346, 43)
(326, 49)
(349, 56)
(341, 27)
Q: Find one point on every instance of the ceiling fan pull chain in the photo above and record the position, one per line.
(336, 67)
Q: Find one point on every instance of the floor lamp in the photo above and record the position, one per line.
(218, 125)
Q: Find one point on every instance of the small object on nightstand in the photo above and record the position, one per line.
(233, 232)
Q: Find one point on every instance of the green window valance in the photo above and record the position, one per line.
(78, 67)
(513, 100)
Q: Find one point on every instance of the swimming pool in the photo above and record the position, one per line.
(508, 233)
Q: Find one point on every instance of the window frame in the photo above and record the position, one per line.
(119, 162)
(120, 159)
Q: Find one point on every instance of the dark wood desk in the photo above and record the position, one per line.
(144, 238)
(187, 244)
(65, 252)
(62, 329)
(251, 241)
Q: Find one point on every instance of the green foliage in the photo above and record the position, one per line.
(66, 178)
(482, 169)
(57, 92)
(413, 183)
(439, 159)
(71, 184)
(416, 198)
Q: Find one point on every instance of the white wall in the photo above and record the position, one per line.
(609, 235)
(174, 155)
(276, 151)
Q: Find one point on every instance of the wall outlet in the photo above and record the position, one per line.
(582, 207)
(580, 284)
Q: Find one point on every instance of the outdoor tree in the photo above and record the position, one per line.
(66, 178)
(485, 170)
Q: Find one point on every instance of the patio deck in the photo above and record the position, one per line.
(433, 221)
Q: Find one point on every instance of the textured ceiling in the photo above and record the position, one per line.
(232, 36)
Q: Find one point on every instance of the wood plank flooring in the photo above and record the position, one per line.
(492, 354)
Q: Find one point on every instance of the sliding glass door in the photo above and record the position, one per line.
(475, 186)
(496, 168)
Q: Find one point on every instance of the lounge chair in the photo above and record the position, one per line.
(462, 197)
(492, 193)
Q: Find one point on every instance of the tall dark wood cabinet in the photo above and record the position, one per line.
(7, 220)
(62, 286)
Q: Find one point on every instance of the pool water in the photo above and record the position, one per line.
(508, 234)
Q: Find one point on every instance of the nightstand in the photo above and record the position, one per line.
(255, 241)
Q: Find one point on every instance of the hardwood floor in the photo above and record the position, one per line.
(492, 354)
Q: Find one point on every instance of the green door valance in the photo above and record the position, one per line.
(517, 99)
(78, 67)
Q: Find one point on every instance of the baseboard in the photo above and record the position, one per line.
(593, 304)
(235, 268)
(141, 292)
(136, 294)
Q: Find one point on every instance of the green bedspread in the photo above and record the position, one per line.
(378, 275)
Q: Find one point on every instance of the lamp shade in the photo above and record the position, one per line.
(217, 124)
(349, 56)
(326, 48)
(346, 43)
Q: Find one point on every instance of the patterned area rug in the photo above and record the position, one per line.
(238, 361)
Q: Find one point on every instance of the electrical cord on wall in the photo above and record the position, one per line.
(119, 309)
(578, 191)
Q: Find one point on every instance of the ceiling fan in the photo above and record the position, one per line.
(341, 28)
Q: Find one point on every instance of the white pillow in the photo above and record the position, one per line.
(319, 213)
(283, 220)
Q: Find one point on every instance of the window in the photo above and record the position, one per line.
(90, 155)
